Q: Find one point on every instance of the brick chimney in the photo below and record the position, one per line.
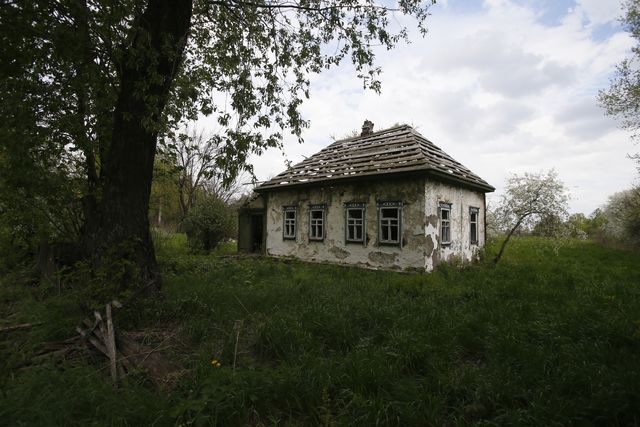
(367, 128)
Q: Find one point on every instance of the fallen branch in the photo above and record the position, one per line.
(18, 327)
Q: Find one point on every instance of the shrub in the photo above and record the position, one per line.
(622, 214)
(209, 222)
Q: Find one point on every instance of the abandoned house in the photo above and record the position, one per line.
(385, 199)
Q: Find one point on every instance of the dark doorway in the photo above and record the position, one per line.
(256, 232)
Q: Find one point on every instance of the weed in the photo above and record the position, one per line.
(548, 336)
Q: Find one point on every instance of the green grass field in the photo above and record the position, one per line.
(551, 336)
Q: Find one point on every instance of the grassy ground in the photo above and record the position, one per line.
(550, 336)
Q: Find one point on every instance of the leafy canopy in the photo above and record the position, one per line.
(622, 99)
(622, 213)
(248, 63)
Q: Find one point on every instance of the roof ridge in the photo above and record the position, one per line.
(376, 133)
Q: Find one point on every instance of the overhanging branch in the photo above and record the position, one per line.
(296, 6)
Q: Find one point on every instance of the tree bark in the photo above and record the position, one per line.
(148, 69)
(506, 240)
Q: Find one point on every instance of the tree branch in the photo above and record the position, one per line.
(296, 6)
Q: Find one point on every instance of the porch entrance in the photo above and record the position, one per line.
(257, 231)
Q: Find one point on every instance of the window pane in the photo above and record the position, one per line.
(445, 223)
(355, 224)
(289, 229)
(445, 233)
(473, 216)
(316, 224)
(394, 233)
(354, 213)
(390, 213)
(389, 225)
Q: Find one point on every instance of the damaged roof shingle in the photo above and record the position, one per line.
(395, 150)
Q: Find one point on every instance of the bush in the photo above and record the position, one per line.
(209, 222)
(622, 214)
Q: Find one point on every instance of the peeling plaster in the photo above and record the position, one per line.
(383, 258)
(461, 200)
(339, 252)
(420, 232)
(432, 220)
(429, 246)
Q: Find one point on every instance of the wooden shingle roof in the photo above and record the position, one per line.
(390, 151)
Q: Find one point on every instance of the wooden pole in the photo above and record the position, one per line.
(237, 326)
(111, 344)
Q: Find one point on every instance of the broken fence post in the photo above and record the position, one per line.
(110, 341)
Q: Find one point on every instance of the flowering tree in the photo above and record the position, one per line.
(622, 213)
(622, 98)
(527, 200)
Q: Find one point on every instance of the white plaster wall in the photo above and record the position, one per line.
(461, 200)
(334, 248)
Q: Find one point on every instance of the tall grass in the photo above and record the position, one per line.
(549, 336)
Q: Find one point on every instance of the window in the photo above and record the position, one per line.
(290, 222)
(390, 222)
(473, 222)
(445, 223)
(316, 222)
(355, 222)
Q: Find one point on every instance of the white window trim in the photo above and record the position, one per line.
(322, 222)
(286, 209)
(474, 239)
(445, 207)
(398, 207)
(355, 224)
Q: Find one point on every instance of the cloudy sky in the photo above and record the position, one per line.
(503, 86)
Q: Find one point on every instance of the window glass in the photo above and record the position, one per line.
(473, 220)
(390, 225)
(289, 227)
(316, 224)
(355, 225)
(445, 223)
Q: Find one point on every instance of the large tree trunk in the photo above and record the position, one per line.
(148, 69)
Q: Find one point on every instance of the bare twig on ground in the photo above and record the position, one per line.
(19, 327)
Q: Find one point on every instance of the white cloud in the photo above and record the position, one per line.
(600, 11)
(497, 90)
